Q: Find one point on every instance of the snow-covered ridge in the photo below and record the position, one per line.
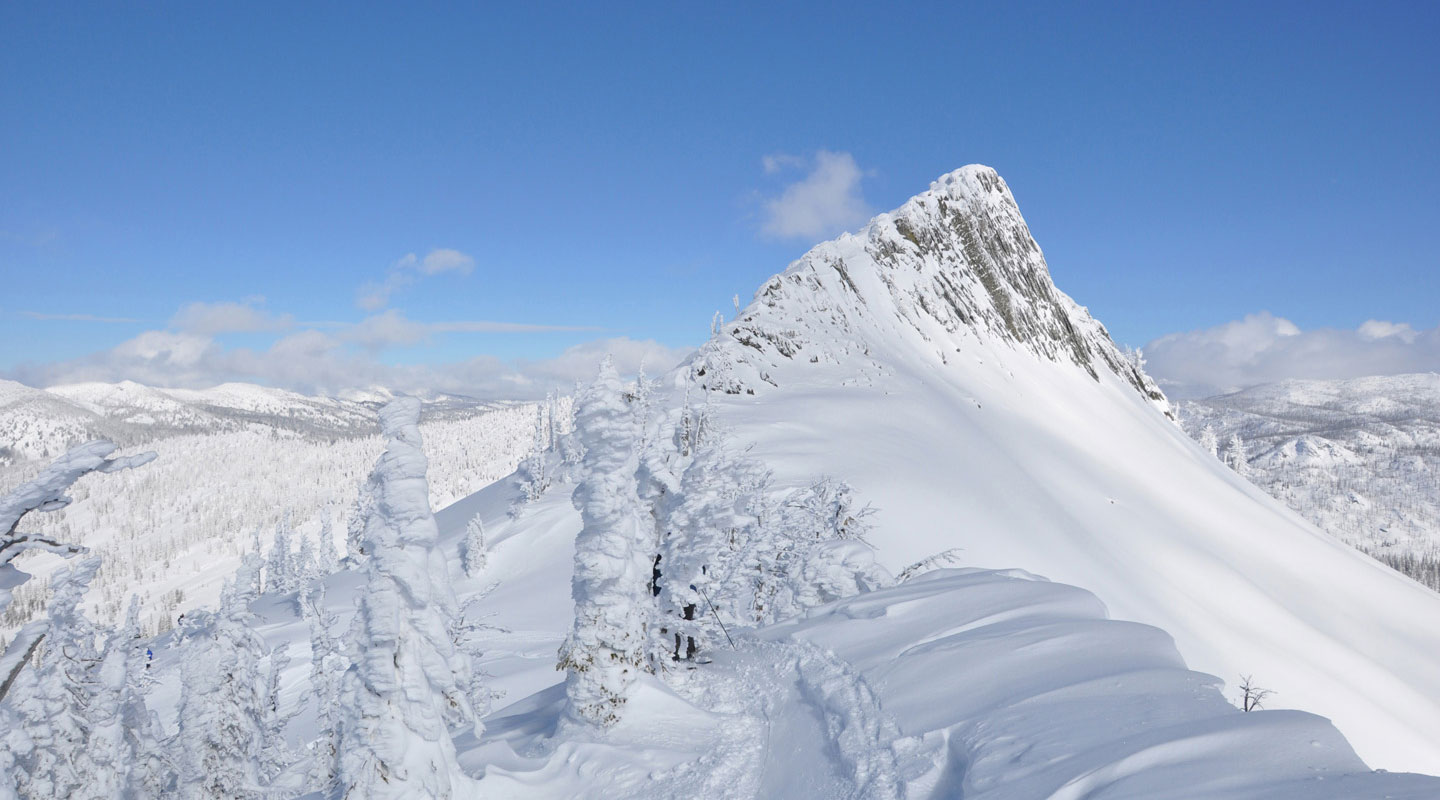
(952, 265)
(982, 424)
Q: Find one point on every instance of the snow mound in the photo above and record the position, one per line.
(961, 683)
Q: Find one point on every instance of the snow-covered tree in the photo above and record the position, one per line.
(614, 556)
(227, 727)
(115, 747)
(1209, 442)
(54, 701)
(280, 574)
(706, 532)
(1235, 454)
(474, 546)
(533, 475)
(327, 664)
(406, 688)
(326, 558)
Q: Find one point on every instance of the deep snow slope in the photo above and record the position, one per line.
(930, 362)
(1359, 458)
(958, 683)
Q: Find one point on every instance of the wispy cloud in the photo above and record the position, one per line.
(76, 317)
(825, 201)
(1262, 348)
(230, 317)
(392, 328)
(374, 296)
(344, 356)
(315, 362)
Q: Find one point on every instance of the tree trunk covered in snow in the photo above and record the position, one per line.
(405, 690)
(614, 558)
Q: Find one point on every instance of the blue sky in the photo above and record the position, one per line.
(619, 174)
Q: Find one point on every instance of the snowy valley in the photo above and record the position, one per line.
(1359, 458)
(237, 464)
(908, 525)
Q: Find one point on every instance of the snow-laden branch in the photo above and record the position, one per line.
(45, 493)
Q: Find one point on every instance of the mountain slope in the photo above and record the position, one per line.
(1022, 436)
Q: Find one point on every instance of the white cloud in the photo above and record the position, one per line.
(337, 360)
(780, 161)
(443, 260)
(1262, 348)
(391, 328)
(373, 296)
(316, 362)
(229, 317)
(1373, 329)
(824, 202)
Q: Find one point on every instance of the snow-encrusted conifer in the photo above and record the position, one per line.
(116, 748)
(1235, 454)
(222, 732)
(280, 566)
(1209, 442)
(54, 703)
(327, 664)
(614, 555)
(474, 546)
(406, 687)
(326, 558)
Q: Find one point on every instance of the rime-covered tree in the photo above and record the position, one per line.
(54, 701)
(1235, 454)
(280, 574)
(224, 723)
(614, 556)
(406, 687)
(532, 477)
(474, 546)
(327, 664)
(1209, 442)
(326, 559)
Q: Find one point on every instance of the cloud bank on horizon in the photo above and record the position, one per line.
(1264, 348)
(344, 357)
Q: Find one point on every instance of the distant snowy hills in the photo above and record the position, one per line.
(39, 423)
(1359, 458)
(236, 462)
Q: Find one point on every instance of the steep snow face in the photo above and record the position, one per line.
(929, 363)
(952, 265)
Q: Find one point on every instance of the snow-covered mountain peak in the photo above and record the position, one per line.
(953, 268)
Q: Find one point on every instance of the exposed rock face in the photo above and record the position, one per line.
(955, 263)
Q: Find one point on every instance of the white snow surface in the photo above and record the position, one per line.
(958, 683)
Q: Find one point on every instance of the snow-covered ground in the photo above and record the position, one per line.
(1359, 458)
